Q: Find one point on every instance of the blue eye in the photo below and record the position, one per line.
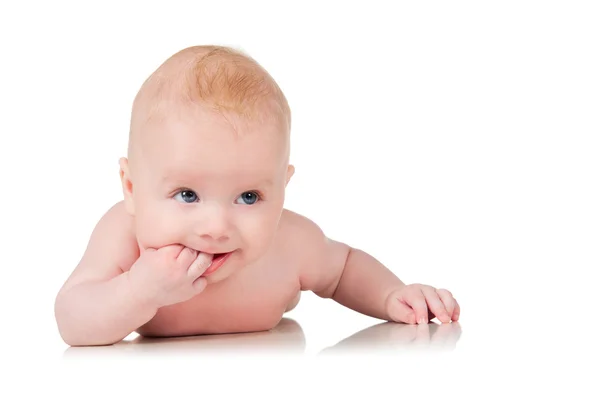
(187, 196)
(249, 198)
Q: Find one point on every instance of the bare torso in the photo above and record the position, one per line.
(252, 299)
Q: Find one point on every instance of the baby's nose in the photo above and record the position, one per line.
(214, 224)
(218, 235)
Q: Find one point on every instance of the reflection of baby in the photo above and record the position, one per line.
(201, 242)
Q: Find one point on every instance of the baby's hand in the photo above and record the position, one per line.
(420, 303)
(168, 275)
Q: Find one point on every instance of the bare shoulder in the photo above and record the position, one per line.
(291, 219)
(319, 259)
(295, 228)
(111, 249)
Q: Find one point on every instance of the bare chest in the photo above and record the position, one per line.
(253, 299)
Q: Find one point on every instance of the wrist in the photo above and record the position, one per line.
(139, 297)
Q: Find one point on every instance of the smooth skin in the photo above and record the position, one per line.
(200, 181)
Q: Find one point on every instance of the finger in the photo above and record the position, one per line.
(435, 304)
(199, 265)
(199, 284)
(402, 313)
(147, 252)
(456, 313)
(416, 300)
(447, 300)
(186, 256)
(173, 250)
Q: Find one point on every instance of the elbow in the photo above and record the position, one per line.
(336, 265)
(75, 338)
(345, 256)
(69, 328)
(64, 323)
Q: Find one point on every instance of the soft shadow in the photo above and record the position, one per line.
(285, 338)
(392, 337)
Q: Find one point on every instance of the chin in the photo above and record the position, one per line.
(216, 277)
(220, 275)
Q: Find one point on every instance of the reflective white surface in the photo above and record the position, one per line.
(286, 338)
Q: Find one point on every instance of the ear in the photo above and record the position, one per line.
(127, 185)
(290, 173)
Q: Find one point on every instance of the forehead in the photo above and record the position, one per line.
(210, 146)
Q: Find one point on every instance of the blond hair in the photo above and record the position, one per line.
(218, 77)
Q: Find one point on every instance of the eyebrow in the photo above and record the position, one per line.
(169, 179)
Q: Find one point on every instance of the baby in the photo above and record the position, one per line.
(201, 243)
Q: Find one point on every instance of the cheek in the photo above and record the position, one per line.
(156, 226)
(259, 230)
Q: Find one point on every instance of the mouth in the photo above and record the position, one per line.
(218, 260)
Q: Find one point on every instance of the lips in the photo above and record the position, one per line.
(218, 260)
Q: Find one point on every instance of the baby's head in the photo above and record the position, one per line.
(208, 156)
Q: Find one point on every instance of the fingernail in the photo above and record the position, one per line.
(422, 320)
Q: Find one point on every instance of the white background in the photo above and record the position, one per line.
(457, 142)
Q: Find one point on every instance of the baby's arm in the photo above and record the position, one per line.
(95, 305)
(332, 269)
(360, 282)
